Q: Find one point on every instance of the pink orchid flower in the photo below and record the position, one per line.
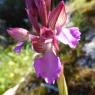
(49, 31)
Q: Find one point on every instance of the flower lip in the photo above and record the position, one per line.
(50, 60)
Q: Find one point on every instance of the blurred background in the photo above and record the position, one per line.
(79, 63)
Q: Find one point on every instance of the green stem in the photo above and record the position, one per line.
(62, 86)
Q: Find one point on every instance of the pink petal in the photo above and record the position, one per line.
(69, 36)
(18, 47)
(57, 16)
(41, 5)
(62, 17)
(32, 12)
(48, 67)
(19, 34)
(30, 4)
(48, 5)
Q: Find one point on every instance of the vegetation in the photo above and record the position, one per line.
(14, 67)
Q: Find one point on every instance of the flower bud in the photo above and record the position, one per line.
(19, 34)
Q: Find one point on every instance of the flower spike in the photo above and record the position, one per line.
(45, 42)
(48, 67)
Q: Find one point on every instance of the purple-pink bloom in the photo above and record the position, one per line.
(48, 32)
(51, 31)
(48, 67)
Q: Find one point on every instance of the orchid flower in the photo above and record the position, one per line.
(49, 31)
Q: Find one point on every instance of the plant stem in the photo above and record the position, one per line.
(62, 86)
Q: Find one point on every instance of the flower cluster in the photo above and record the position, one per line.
(49, 30)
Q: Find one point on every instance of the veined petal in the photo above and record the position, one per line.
(48, 5)
(48, 67)
(41, 6)
(32, 12)
(18, 47)
(33, 20)
(19, 34)
(57, 16)
(30, 4)
(69, 36)
(62, 17)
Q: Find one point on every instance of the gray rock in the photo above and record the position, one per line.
(89, 48)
